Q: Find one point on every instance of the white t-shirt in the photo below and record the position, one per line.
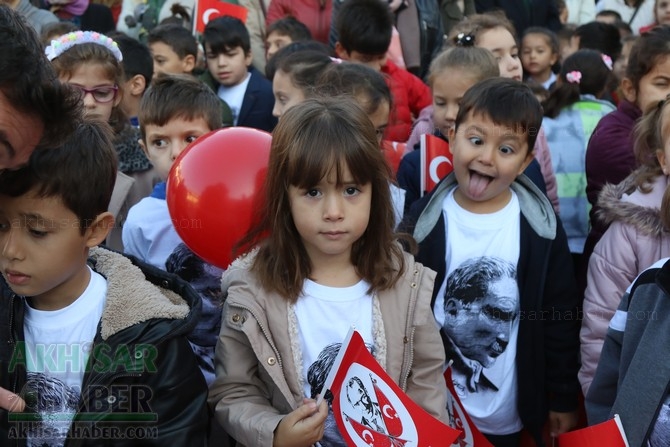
(484, 332)
(234, 96)
(325, 315)
(58, 344)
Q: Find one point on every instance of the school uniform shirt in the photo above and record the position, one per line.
(488, 393)
(234, 96)
(324, 315)
(58, 344)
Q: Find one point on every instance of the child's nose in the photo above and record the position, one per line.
(10, 246)
(333, 209)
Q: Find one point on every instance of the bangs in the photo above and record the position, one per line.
(325, 156)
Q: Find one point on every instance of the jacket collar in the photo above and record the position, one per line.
(131, 299)
(534, 206)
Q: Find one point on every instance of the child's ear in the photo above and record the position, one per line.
(529, 158)
(248, 58)
(341, 52)
(629, 91)
(136, 85)
(188, 63)
(660, 156)
(451, 136)
(97, 232)
(143, 146)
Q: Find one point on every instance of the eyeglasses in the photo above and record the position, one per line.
(100, 94)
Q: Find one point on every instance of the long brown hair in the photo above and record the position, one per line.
(313, 139)
(648, 141)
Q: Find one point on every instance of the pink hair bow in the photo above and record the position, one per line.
(574, 77)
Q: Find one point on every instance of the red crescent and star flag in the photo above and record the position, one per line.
(379, 414)
(436, 161)
(210, 9)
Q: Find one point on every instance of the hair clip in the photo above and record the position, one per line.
(608, 61)
(574, 77)
(465, 40)
(336, 60)
(67, 41)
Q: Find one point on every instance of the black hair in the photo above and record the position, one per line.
(364, 26)
(609, 13)
(293, 47)
(600, 36)
(507, 103)
(182, 42)
(225, 33)
(81, 172)
(594, 76)
(289, 26)
(30, 82)
(136, 57)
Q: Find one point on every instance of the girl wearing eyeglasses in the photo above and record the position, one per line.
(91, 62)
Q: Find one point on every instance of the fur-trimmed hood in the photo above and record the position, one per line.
(627, 204)
(136, 295)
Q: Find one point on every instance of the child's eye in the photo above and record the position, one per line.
(515, 55)
(476, 141)
(4, 226)
(313, 193)
(506, 149)
(37, 233)
(159, 143)
(191, 138)
(351, 191)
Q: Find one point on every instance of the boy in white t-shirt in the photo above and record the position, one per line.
(505, 295)
(99, 347)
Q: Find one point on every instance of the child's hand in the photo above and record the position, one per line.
(560, 423)
(11, 402)
(303, 426)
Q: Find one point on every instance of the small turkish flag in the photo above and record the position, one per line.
(609, 433)
(210, 9)
(436, 161)
(370, 408)
(470, 436)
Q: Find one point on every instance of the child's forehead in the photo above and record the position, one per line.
(483, 121)
(180, 122)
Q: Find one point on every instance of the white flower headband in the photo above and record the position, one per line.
(67, 41)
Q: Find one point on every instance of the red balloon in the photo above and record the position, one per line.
(214, 187)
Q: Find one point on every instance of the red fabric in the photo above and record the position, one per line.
(116, 11)
(315, 14)
(410, 96)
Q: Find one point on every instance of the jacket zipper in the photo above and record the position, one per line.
(409, 339)
(264, 330)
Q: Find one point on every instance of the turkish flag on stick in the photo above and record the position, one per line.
(210, 9)
(371, 409)
(470, 436)
(436, 161)
(609, 433)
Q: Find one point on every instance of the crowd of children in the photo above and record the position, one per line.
(520, 270)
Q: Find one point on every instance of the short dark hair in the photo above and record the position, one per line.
(54, 30)
(225, 33)
(552, 37)
(136, 57)
(600, 36)
(291, 27)
(364, 26)
(507, 102)
(179, 96)
(609, 13)
(29, 81)
(471, 280)
(81, 172)
(182, 42)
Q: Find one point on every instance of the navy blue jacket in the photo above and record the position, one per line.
(257, 104)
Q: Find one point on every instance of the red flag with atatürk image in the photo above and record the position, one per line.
(372, 410)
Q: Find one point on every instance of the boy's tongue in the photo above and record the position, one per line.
(478, 184)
